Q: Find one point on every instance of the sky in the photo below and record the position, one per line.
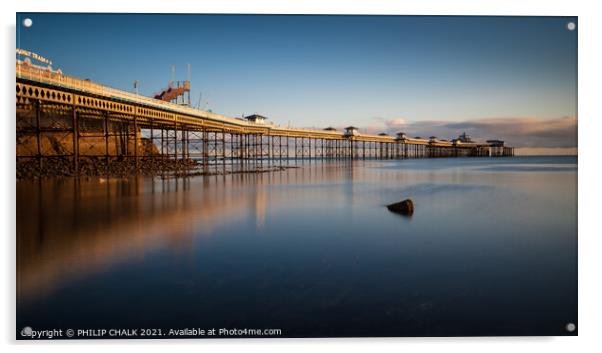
(511, 78)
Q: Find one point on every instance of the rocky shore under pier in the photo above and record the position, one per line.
(99, 166)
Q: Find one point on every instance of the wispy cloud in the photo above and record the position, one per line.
(516, 131)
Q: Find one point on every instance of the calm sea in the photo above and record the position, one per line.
(490, 250)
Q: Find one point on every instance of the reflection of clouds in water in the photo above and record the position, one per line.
(530, 163)
(529, 168)
(433, 188)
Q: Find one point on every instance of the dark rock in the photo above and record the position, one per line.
(405, 207)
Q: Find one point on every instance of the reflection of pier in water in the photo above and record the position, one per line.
(68, 229)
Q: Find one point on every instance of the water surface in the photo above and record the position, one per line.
(490, 250)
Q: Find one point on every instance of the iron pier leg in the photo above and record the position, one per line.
(175, 142)
(162, 142)
(106, 128)
(224, 151)
(135, 142)
(75, 142)
(37, 106)
(205, 151)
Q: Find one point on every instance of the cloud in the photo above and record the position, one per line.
(516, 131)
(396, 122)
(384, 125)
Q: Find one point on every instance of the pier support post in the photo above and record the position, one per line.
(296, 148)
(183, 142)
(205, 149)
(106, 128)
(136, 142)
(75, 141)
(280, 149)
(187, 144)
(152, 140)
(288, 150)
(239, 144)
(162, 142)
(37, 107)
(259, 148)
(224, 150)
(215, 150)
(175, 137)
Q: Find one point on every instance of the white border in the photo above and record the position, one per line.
(590, 294)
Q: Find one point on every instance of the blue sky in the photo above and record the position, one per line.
(376, 72)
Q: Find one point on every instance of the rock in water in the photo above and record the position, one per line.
(405, 207)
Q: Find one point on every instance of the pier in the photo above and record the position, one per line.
(64, 117)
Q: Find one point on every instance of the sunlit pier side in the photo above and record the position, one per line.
(59, 116)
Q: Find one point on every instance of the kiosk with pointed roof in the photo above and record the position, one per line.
(351, 131)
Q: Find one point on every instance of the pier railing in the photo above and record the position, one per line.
(58, 79)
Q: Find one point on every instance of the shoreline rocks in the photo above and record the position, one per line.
(115, 167)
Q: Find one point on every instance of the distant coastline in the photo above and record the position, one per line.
(546, 151)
